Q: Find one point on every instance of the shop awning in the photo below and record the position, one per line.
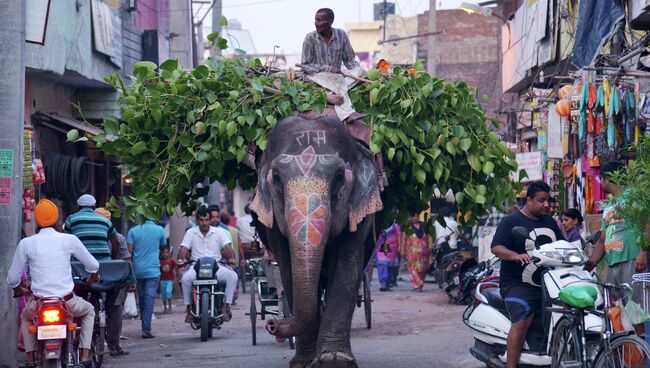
(55, 121)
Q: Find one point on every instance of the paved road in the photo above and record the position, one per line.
(409, 330)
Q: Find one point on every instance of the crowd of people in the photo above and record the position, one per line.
(89, 236)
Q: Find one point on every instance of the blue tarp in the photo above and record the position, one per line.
(597, 22)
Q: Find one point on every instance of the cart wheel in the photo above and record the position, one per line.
(367, 301)
(253, 312)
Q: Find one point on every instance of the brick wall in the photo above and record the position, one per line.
(467, 50)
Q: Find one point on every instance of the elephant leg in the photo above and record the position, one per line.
(333, 347)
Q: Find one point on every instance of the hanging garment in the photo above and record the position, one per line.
(597, 22)
(630, 114)
(614, 109)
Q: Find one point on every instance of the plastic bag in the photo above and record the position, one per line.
(636, 314)
(130, 306)
(579, 296)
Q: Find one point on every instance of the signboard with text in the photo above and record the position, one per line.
(532, 163)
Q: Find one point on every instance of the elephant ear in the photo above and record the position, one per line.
(365, 198)
(262, 204)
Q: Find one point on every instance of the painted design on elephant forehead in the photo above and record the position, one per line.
(307, 217)
(307, 159)
(306, 137)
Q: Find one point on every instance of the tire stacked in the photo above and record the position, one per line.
(67, 177)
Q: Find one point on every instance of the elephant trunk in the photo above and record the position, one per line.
(309, 219)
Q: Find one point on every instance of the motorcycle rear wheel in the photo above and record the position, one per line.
(50, 363)
(205, 316)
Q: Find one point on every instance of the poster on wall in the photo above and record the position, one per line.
(532, 163)
(5, 191)
(554, 143)
(103, 33)
(37, 13)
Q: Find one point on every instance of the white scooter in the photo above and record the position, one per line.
(561, 264)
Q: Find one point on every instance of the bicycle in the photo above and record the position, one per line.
(571, 349)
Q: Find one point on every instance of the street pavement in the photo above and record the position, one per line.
(409, 329)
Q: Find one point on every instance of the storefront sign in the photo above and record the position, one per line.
(6, 162)
(5, 190)
(532, 163)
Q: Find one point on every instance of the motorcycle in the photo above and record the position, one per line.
(472, 273)
(455, 264)
(208, 302)
(54, 330)
(489, 321)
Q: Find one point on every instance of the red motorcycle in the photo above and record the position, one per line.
(54, 330)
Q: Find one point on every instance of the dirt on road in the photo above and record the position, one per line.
(409, 329)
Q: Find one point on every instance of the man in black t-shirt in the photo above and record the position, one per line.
(520, 279)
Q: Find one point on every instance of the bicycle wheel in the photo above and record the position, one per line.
(367, 301)
(253, 312)
(624, 352)
(564, 345)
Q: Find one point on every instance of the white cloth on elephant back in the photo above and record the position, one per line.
(339, 85)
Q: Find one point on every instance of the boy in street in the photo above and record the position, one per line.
(167, 275)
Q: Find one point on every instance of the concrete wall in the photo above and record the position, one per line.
(69, 43)
(180, 24)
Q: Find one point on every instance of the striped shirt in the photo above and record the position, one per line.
(321, 56)
(93, 230)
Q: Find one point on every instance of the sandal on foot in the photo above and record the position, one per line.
(119, 352)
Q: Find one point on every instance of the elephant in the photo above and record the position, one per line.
(314, 205)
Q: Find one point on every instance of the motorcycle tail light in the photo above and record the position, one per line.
(51, 316)
(72, 326)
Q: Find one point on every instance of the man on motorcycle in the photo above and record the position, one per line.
(47, 254)
(520, 279)
(206, 241)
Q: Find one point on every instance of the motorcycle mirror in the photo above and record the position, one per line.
(593, 237)
(519, 232)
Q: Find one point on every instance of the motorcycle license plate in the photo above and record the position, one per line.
(456, 280)
(51, 332)
(205, 282)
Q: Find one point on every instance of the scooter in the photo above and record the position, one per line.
(488, 319)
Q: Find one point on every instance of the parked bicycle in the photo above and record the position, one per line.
(571, 349)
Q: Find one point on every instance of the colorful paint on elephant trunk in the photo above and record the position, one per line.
(308, 212)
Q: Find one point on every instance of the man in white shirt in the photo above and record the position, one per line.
(448, 233)
(206, 241)
(47, 254)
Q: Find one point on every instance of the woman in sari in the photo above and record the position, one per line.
(416, 248)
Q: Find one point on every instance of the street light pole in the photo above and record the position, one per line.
(12, 105)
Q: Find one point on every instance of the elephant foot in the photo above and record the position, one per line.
(300, 362)
(337, 359)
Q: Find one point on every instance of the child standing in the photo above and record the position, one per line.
(167, 267)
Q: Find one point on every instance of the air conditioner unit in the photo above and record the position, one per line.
(639, 14)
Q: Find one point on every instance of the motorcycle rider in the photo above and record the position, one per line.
(206, 241)
(47, 254)
(520, 279)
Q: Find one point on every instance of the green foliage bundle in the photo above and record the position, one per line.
(635, 181)
(179, 129)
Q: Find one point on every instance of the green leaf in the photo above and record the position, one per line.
(465, 144)
(139, 147)
(480, 199)
(475, 163)
(72, 135)
(420, 176)
(488, 167)
(374, 93)
(223, 21)
(202, 156)
(391, 153)
(373, 74)
(145, 64)
(450, 148)
(169, 65)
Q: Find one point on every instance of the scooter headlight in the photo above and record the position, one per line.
(569, 256)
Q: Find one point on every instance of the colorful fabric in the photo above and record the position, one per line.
(418, 257)
(93, 230)
(392, 235)
(620, 240)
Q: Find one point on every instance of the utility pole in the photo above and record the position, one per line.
(385, 14)
(217, 12)
(12, 105)
(431, 39)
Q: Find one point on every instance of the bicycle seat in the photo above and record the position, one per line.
(493, 296)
